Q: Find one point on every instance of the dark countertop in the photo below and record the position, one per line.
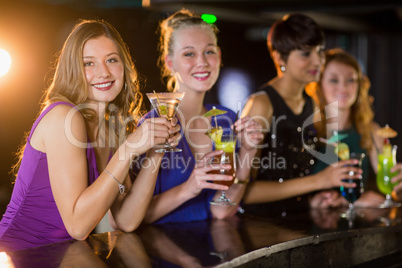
(311, 238)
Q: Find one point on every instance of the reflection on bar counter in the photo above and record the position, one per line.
(313, 238)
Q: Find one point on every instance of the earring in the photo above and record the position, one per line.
(283, 69)
(125, 85)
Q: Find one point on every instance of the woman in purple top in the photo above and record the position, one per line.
(190, 58)
(77, 156)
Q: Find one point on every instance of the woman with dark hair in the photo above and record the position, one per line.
(283, 108)
(74, 166)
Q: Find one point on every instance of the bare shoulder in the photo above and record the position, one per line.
(258, 102)
(258, 105)
(61, 123)
(64, 116)
(375, 126)
(378, 141)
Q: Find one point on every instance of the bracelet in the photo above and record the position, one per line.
(237, 181)
(122, 188)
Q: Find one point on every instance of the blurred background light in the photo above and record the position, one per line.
(257, 34)
(5, 62)
(234, 86)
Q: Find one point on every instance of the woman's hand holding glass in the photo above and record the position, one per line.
(333, 176)
(249, 132)
(153, 131)
(199, 179)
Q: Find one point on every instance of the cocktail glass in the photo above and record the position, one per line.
(227, 143)
(386, 160)
(352, 194)
(166, 105)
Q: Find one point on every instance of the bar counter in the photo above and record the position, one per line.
(311, 238)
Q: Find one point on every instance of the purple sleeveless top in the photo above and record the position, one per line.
(32, 218)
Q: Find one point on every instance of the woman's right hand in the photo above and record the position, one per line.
(332, 176)
(200, 179)
(151, 132)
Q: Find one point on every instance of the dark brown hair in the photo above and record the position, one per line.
(294, 31)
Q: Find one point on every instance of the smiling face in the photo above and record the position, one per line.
(104, 70)
(340, 83)
(304, 65)
(195, 59)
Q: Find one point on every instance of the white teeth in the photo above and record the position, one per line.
(103, 85)
(201, 75)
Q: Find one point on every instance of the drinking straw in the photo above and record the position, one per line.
(216, 122)
(157, 98)
(237, 117)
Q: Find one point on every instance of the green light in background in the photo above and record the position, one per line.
(208, 18)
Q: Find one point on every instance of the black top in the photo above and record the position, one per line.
(285, 155)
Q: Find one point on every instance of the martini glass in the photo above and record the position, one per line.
(227, 143)
(166, 105)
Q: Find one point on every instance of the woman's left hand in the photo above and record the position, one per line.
(250, 132)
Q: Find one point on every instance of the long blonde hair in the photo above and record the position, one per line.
(182, 19)
(361, 111)
(69, 83)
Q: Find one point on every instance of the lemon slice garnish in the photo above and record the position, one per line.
(342, 151)
(215, 134)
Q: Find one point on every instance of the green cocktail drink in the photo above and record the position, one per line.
(386, 160)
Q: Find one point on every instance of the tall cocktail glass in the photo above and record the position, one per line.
(352, 194)
(166, 105)
(386, 160)
(227, 143)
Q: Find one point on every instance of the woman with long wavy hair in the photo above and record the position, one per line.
(342, 96)
(74, 165)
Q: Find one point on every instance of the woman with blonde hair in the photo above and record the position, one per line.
(74, 165)
(190, 60)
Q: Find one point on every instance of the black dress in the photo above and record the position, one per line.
(286, 153)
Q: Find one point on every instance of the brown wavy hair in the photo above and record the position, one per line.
(69, 83)
(168, 27)
(362, 114)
